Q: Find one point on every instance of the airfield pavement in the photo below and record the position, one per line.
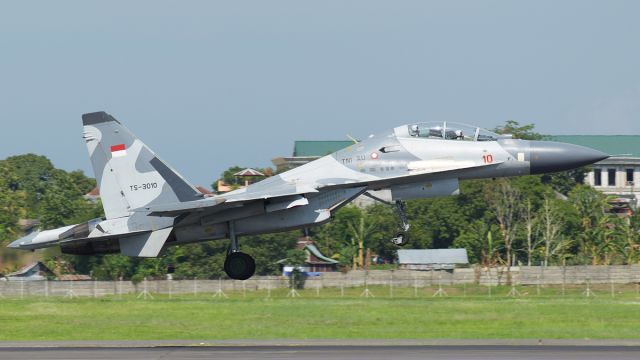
(522, 349)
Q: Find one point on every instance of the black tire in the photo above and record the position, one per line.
(239, 266)
(404, 239)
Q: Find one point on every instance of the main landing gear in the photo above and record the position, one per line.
(238, 265)
(399, 207)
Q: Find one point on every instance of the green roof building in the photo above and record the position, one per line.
(319, 148)
(618, 175)
(305, 151)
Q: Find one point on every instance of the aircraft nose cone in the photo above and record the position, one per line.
(550, 156)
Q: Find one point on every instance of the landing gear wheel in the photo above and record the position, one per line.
(239, 266)
(400, 239)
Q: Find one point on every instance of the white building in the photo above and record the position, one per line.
(432, 259)
(618, 175)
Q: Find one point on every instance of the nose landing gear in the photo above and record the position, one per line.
(399, 207)
(402, 237)
(238, 265)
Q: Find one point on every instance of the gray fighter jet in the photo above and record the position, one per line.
(149, 206)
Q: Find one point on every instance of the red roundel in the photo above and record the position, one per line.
(374, 155)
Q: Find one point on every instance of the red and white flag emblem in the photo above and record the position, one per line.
(118, 150)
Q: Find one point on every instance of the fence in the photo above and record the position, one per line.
(480, 278)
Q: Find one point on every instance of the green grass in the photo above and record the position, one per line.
(329, 316)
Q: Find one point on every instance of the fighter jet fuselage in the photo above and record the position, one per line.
(149, 206)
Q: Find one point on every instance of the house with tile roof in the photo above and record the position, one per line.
(32, 272)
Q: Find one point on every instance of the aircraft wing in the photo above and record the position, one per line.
(232, 199)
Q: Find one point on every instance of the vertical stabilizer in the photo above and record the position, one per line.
(128, 173)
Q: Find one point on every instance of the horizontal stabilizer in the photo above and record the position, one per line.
(146, 244)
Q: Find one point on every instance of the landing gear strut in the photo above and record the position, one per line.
(399, 207)
(238, 265)
(402, 237)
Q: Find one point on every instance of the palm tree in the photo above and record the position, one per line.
(491, 251)
(591, 206)
(629, 247)
(608, 233)
(360, 230)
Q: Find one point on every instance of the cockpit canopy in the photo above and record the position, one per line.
(451, 131)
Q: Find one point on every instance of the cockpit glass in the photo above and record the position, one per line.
(485, 135)
(451, 131)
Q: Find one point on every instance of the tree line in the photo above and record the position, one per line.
(530, 220)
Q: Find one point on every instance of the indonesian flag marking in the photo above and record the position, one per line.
(118, 150)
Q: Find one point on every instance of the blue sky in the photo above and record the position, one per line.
(211, 84)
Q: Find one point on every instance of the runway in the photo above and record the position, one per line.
(324, 352)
